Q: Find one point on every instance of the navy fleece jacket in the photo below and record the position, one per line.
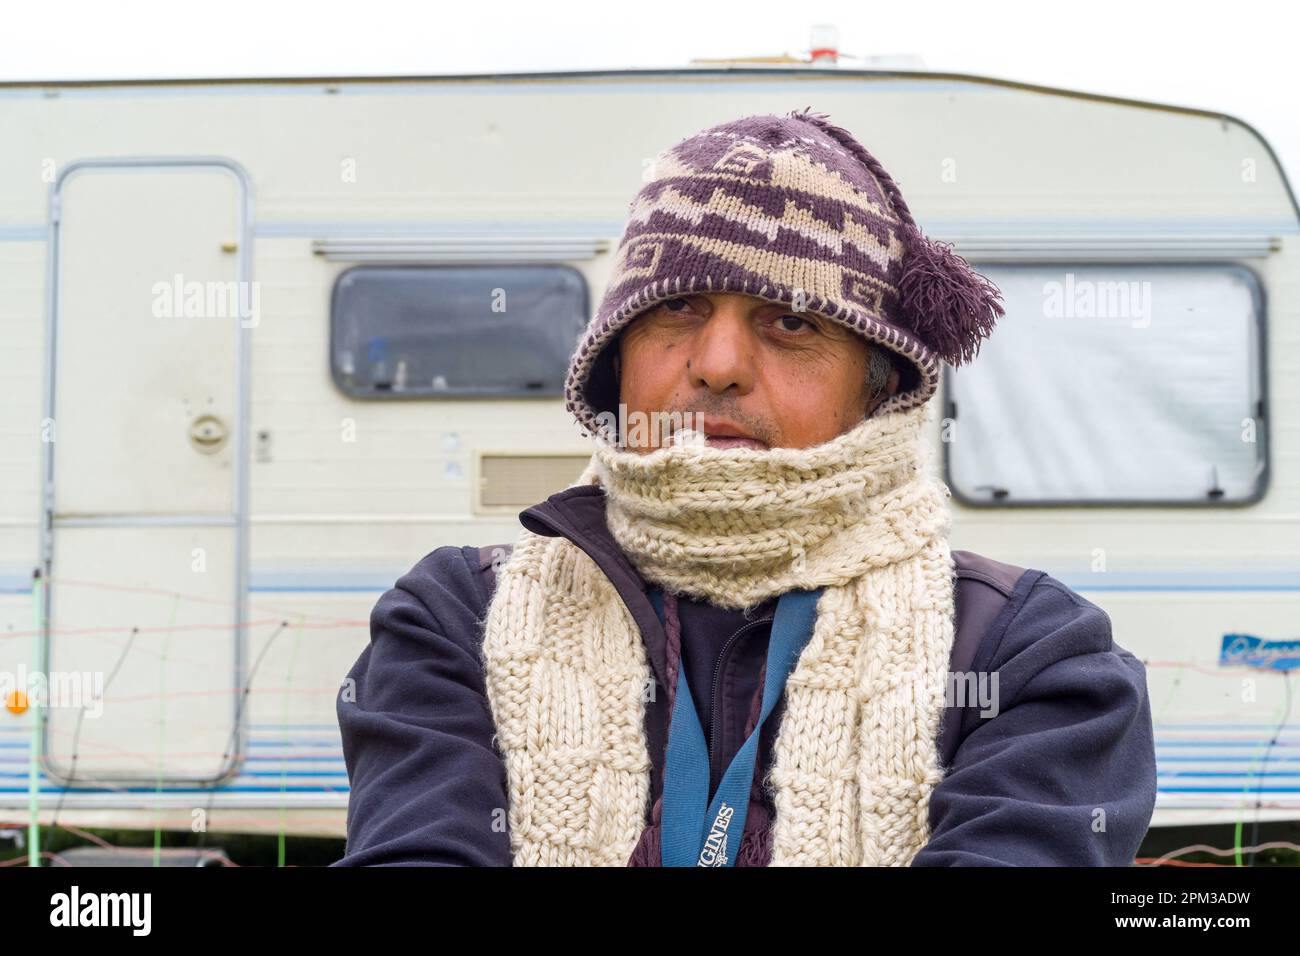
(1064, 773)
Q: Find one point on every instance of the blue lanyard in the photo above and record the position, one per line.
(695, 831)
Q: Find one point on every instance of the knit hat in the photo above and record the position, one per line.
(790, 209)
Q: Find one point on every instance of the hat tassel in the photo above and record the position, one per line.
(944, 301)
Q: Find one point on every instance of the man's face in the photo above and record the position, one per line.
(761, 375)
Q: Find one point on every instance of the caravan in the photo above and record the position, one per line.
(268, 342)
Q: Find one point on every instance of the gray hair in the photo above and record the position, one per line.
(879, 369)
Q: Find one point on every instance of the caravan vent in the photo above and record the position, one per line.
(518, 481)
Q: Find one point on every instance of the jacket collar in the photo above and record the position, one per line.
(578, 513)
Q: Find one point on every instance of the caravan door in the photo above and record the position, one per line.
(144, 537)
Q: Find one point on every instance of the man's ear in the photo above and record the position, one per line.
(891, 386)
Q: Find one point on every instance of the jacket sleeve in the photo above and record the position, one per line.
(1062, 772)
(427, 784)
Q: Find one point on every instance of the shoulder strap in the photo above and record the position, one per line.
(983, 588)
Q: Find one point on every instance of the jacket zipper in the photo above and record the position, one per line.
(714, 708)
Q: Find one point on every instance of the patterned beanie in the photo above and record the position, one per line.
(790, 209)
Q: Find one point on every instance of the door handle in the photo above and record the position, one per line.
(208, 433)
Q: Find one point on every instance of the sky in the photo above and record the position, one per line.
(1239, 58)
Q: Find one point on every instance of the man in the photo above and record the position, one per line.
(734, 641)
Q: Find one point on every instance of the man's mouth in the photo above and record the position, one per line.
(724, 434)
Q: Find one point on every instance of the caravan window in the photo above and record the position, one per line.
(1113, 384)
(455, 331)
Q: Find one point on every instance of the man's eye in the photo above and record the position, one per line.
(792, 318)
(675, 305)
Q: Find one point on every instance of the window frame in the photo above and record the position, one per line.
(393, 396)
(1263, 483)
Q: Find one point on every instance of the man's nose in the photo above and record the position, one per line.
(722, 352)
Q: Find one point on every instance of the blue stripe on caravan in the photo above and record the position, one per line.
(334, 589)
(1231, 725)
(335, 746)
(1227, 743)
(21, 775)
(151, 790)
(317, 743)
(1237, 726)
(306, 742)
(1076, 584)
(34, 232)
(1256, 759)
(1239, 790)
(1181, 746)
(294, 743)
(339, 761)
(313, 744)
(1229, 773)
(1274, 579)
(344, 790)
(295, 773)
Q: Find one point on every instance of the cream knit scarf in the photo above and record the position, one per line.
(855, 756)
